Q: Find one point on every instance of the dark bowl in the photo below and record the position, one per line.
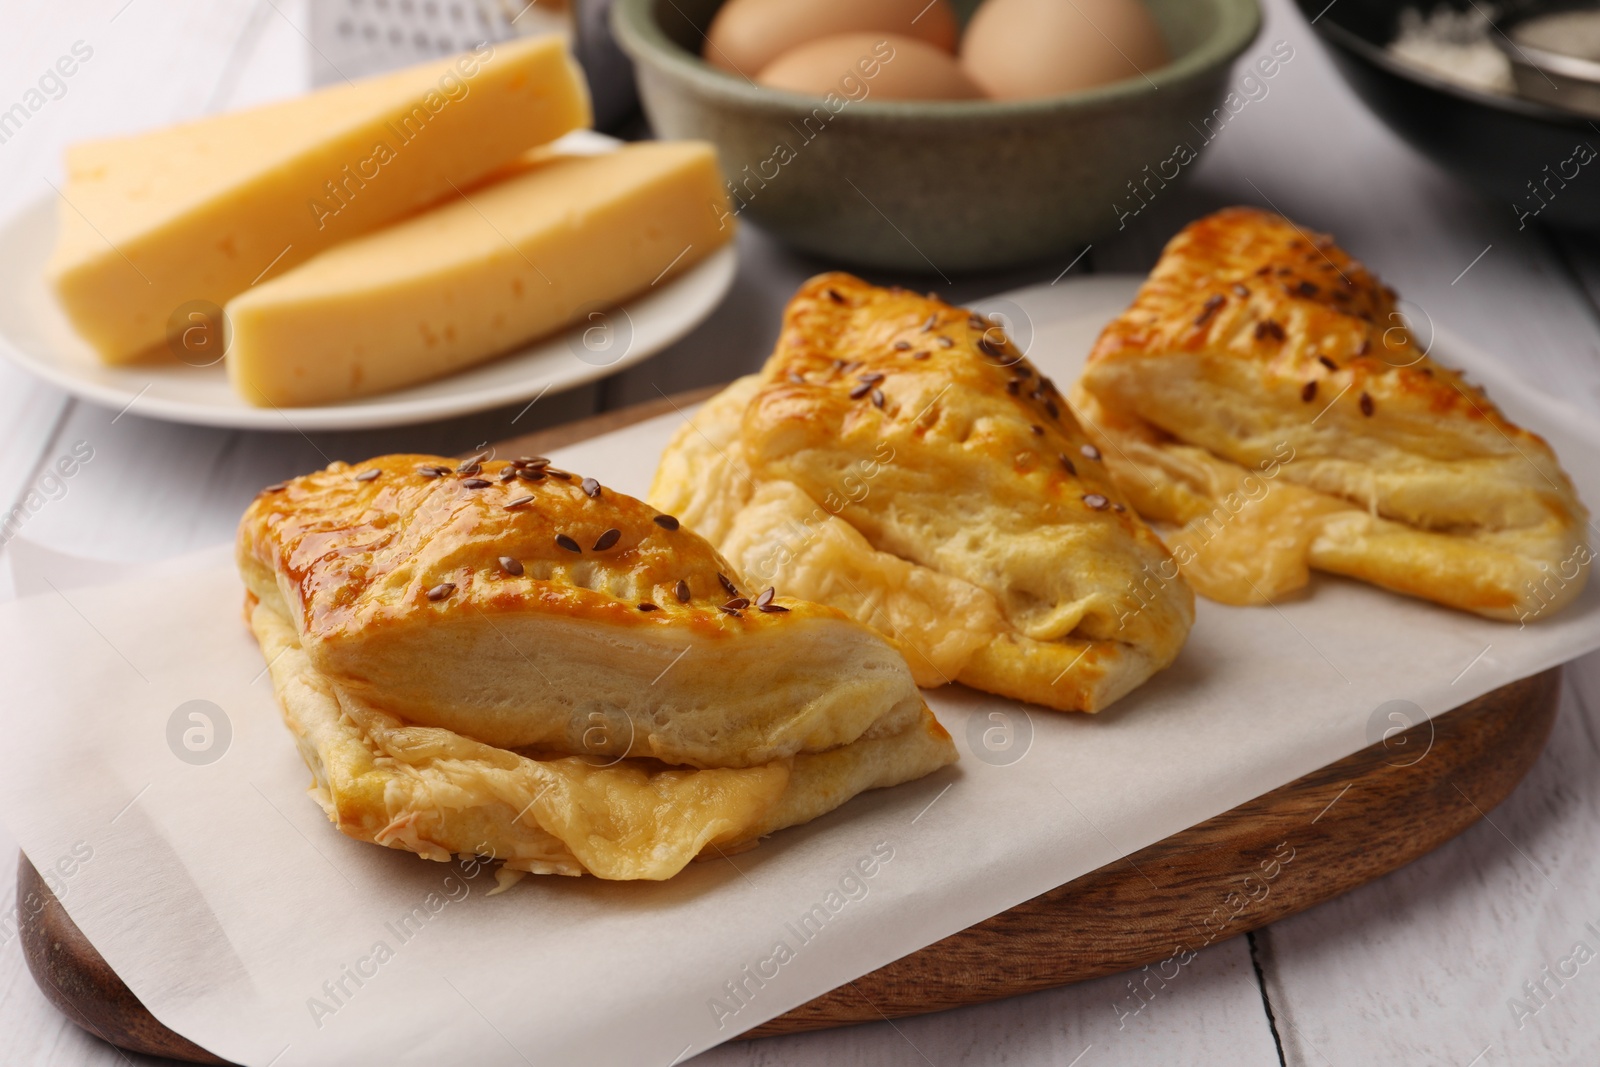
(1499, 145)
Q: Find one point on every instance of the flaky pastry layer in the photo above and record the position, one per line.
(1263, 401)
(525, 607)
(899, 459)
(436, 793)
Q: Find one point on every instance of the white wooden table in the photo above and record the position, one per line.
(1420, 967)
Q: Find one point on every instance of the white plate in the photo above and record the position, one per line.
(35, 333)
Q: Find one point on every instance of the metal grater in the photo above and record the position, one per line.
(354, 38)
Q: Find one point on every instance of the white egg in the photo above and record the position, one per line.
(862, 66)
(747, 35)
(1020, 49)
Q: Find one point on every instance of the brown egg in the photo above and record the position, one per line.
(747, 35)
(1019, 49)
(861, 66)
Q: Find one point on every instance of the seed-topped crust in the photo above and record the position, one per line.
(933, 498)
(444, 604)
(1311, 399)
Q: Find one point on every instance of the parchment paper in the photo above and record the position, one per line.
(187, 850)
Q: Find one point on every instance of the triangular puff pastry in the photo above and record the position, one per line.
(508, 660)
(1263, 401)
(899, 459)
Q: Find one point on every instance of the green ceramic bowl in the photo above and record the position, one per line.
(940, 186)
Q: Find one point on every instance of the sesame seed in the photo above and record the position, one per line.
(530, 474)
(1307, 289)
(666, 522)
(1014, 386)
(276, 488)
(945, 342)
(728, 609)
(530, 461)
(476, 483)
(922, 353)
(738, 603)
(511, 566)
(798, 379)
(877, 398)
(1239, 290)
(1366, 405)
(1209, 308)
(1326, 362)
(766, 596)
(565, 476)
(1308, 392)
(647, 606)
(727, 584)
(568, 543)
(1038, 431)
(473, 462)
(1067, 463)
(508, 475)
(1051, 409)
(861, 390)
(1022, 370)
(834, 295)
(431, 471)
(368, 475)
(902, 346)
(1117, 507)
(469, 468)
(1269, 328)
(518, 502)
(1366, 346)
(1089, 451)
(442, 590)
(591, 487)
(607, 539)
(873, 378)
(682, 591)
(1096, 501)
(933, 321)
(772, 609)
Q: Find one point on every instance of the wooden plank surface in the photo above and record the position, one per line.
(1410, 970)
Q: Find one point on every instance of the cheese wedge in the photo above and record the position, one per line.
(507, 262)
(200, 212)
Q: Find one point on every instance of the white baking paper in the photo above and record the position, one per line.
(223, 897)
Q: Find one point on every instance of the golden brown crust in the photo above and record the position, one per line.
(464, 656)
(923, 429)
(358, 553)
(543, 611)
(1261, 362)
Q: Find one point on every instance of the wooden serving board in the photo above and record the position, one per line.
(1315, 838)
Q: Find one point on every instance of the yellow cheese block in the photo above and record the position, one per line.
(503, 264)
(158, 222)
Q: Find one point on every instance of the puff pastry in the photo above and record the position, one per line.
(505, 659)
(1263, 402)
(898, 458)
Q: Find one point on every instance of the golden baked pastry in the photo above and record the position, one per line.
(897, 458)
(509, 660)
(1263, 401)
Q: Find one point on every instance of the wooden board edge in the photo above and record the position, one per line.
(1339, 827)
